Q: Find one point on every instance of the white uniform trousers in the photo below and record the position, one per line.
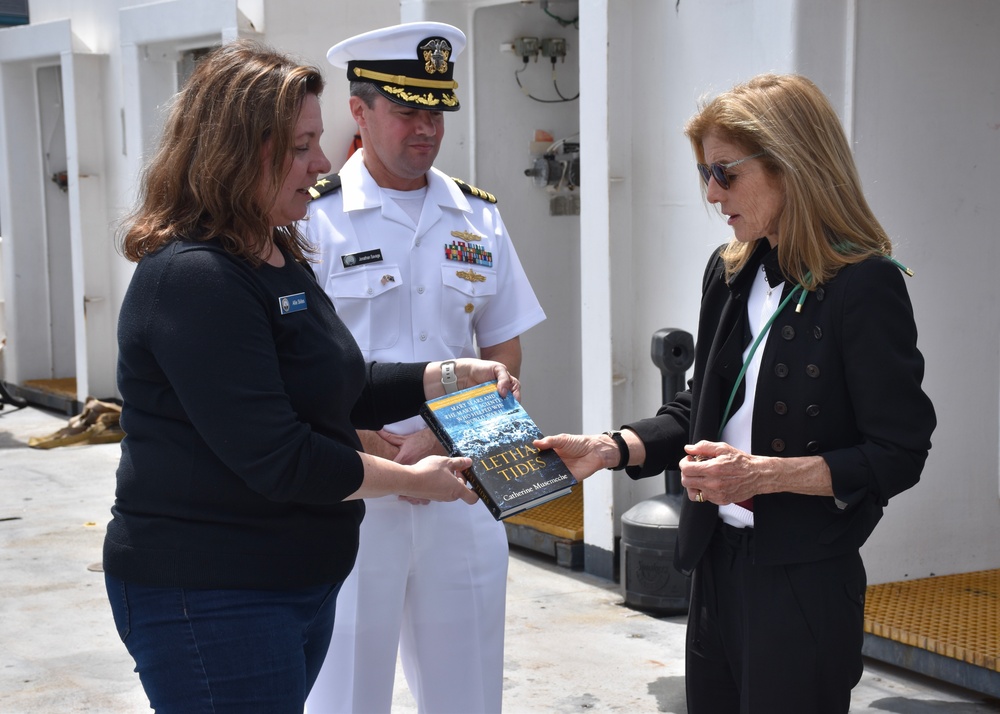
(431, 581)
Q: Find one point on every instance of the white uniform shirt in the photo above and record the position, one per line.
(419, 293)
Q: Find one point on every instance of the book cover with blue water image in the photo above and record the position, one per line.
(508, 472)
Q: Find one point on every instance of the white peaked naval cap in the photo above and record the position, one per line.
(411, 64)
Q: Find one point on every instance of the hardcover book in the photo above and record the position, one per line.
(508, 472)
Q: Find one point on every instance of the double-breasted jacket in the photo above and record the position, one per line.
(841, 379)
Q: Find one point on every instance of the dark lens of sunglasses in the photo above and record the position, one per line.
(716, 170)
(719, 171)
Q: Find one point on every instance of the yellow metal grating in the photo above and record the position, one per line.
(956, 616)
(65, 387)
(562, 517)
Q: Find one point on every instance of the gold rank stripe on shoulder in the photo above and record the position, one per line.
(325, 185)
(466, 235)
(471, 275)
(473, 191)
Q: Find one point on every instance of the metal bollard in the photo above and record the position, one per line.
(649, 529)
(672, 352)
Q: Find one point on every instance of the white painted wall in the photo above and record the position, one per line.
(914, 81)
(548, 246)
(917, 87)
(43, 295)
(308, 31)
(604, 207)
(927, 129)
(56, 220)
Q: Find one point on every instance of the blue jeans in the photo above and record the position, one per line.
(224, 650)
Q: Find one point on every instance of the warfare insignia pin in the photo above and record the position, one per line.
(471, 275)
(466, 235)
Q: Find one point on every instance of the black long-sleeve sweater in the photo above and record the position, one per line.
(242, 390)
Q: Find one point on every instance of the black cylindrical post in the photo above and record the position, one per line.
(649, 528)
(672, 351)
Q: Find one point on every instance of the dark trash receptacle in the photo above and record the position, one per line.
(648, 578)
(649, 528)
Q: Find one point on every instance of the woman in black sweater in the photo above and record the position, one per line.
(238, 500)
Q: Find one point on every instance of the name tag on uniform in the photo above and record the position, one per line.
(292, 303)
(369, 256)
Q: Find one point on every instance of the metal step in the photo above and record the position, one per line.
(946, 627)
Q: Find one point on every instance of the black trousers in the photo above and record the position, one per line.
(765, 639)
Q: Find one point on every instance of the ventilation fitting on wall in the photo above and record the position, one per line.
(555, 168)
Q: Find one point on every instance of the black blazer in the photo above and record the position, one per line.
(841, 380)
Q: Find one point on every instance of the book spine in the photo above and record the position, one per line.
(439, 431)
(484, 495)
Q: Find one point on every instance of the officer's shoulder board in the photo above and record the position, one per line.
(327, 184)
(473, 191)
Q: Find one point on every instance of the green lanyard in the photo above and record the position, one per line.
(767, 326)
(756, 343)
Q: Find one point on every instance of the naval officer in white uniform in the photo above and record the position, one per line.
(419, 267)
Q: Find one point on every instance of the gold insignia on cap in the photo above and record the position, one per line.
(465, 235)
(469, 307)
(404, 81)
(436, 54)
(409, 64)
(471, 275)
(428, 99)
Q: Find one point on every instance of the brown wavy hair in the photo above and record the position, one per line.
(826, 222)
(205, 179)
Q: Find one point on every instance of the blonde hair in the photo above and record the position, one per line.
(204, 181)
(826, 222)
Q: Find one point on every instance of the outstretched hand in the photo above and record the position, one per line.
(580, 452)
(438, 478)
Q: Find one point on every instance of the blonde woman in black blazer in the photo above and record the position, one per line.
(804, 415)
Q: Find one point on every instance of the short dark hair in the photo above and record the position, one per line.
(366, 92)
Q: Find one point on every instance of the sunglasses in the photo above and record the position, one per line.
(719, 170)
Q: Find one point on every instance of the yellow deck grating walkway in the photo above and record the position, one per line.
(58, 394)
(562, 517)
(554, 528)
(956, 617)
(65, 387)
